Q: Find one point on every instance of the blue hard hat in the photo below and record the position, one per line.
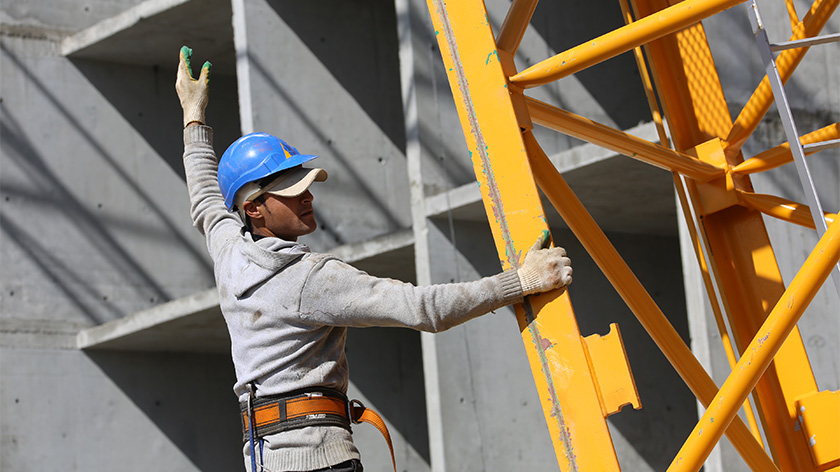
(253, 157)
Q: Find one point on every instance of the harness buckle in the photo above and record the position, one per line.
(351, 411)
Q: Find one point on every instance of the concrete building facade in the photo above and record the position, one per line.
(113, 352)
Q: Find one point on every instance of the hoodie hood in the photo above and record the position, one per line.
(269, 255)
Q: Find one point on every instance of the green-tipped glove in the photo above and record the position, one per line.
(544, 269)
(193, 93)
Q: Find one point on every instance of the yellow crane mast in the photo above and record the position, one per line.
(583, 380)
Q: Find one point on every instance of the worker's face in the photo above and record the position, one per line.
(285, 217)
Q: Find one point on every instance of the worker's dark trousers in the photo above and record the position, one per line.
(353, 465)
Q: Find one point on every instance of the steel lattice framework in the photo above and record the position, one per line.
(581, 380)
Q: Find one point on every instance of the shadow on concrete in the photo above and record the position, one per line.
(24, 153)
(188, 396)
(49, 189)
(360, 49)
(386, 365)
(146, 98)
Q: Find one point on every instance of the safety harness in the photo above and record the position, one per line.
(310, 407)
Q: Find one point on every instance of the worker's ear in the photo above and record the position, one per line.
(251, 210)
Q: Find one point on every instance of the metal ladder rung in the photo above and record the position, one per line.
(803, 43)
(821, 146)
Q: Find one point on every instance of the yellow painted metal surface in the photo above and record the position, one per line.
(819, 421)
(758, 355)
(549, 330)
(780, 155)
(620, 41)
(637, 299)
(582, 380)
(782, 209)
(743, 261)
(619, 141)
(615, 385)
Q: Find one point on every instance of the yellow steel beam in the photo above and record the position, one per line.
(777, 207)
(794, 18)
(759, 354)
(786, 62)
(616, 387)
(496, 118)
(555, 349)
(647, 83)
(656, 113)
(751, 284)
(620, 142)
(620, 41)
(515, 24)
(742, 258)
(637, 299)
(780, 155)
(698, 245)
(818, 416)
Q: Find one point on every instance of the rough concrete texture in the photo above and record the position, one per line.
(96, 236)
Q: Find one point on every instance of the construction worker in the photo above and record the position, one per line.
(287, 309)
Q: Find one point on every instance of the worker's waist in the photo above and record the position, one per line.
(308, 407)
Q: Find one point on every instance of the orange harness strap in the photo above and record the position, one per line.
(361, 414)
(322, 408)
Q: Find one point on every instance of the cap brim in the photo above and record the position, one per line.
(297, 181)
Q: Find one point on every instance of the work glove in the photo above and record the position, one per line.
(544, 269)
(192, 92)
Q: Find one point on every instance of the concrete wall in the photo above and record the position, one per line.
(95, 228)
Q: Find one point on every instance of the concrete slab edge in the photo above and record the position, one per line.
(179, 308)
(109, 27)
(366, 249)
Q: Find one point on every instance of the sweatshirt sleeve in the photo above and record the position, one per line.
(337, 294)
(207, 206)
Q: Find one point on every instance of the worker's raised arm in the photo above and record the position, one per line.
(207, 207)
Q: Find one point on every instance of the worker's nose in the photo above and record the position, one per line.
(306, 197)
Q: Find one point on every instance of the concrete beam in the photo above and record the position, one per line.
(189, 324)
(152, 32)
(194, 323)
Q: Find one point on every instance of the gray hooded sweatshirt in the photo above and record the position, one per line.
(287, 310)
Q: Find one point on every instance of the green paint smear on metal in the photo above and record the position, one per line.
(489, 56)
(496, 205)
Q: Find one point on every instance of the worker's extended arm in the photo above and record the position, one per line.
(337, 294)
